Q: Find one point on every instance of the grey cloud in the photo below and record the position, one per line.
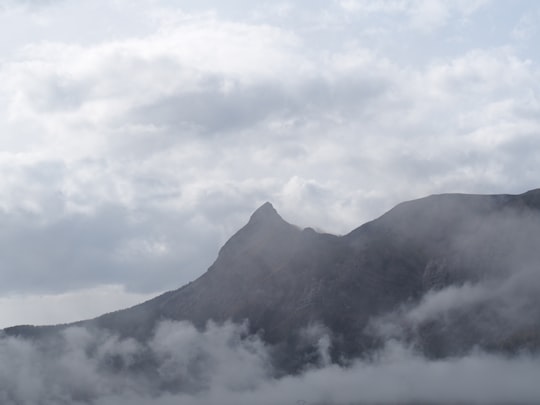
(59, 94)
(213, 111)
(152, 253)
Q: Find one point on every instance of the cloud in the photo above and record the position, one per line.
(151, 99)
(222, 364)
(110, 246)
(81, 365)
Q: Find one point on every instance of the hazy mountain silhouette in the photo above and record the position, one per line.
(391, 277)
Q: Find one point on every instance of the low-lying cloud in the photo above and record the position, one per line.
(224, 365)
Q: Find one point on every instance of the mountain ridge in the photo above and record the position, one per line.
(282, 279)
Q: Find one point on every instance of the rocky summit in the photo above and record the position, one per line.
(445, 274)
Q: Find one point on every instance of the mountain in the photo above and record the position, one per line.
(446, 273)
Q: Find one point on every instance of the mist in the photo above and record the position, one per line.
(481, 287)
(222, 364)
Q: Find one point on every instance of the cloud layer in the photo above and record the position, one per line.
(224, 365)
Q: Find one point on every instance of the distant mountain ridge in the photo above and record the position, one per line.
(283, 279)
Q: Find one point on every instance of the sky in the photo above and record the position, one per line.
(137, 136)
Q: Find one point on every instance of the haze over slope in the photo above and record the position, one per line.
(281, 278)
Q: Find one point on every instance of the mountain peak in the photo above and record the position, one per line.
(265, 213)
(264, 231)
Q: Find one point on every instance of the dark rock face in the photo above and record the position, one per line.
(283, 279)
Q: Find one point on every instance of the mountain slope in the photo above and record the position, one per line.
(387, 278)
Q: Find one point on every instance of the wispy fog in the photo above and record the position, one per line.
(223, 365)
(486, 294)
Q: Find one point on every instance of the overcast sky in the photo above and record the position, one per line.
(137, 136)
